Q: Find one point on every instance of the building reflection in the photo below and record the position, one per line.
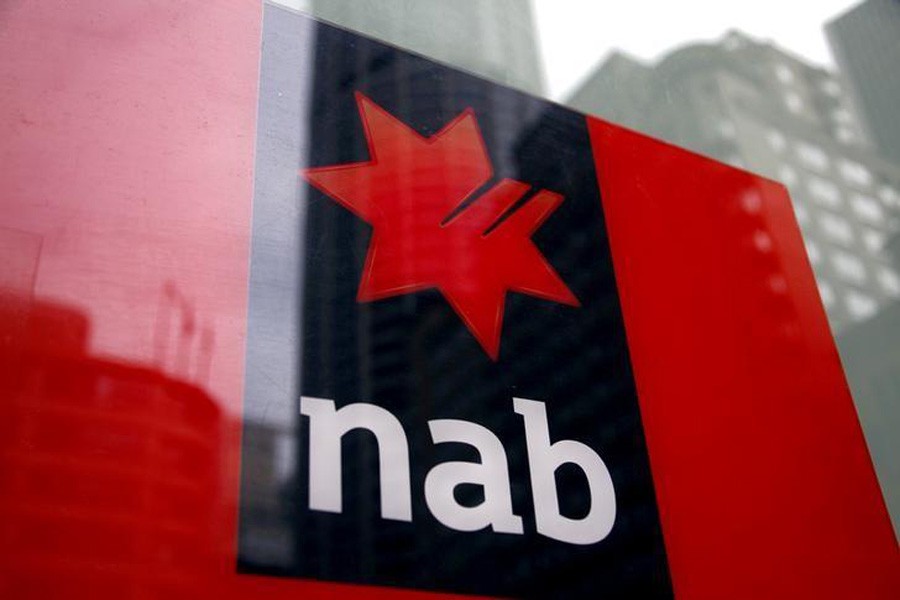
(111, 470)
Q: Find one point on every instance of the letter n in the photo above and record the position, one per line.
(326, 428)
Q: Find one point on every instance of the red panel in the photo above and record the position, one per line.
(126, 139)
(127, 135)
(763, 480)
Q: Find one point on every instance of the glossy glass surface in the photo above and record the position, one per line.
(173, 278)
(127, 155)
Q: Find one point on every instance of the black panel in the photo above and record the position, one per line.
(414, 356)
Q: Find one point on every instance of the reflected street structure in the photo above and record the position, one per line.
(110, 470)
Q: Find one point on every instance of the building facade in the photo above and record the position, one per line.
(865, 44)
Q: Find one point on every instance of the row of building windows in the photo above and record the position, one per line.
(859, 304)
(841, 231)
(826, 193)
(786, 75)
(815, 158)
(843, 125)
(852, 269)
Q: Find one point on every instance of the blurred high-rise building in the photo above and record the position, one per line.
(495, 39)
(866, 45)
(756, 106)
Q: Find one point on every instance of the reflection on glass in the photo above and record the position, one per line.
(109, 466)
(114, 417)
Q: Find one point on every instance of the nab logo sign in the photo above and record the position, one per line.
(408, 422)
(328, 426)
(431, 229)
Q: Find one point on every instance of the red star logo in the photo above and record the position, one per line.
(415, 192)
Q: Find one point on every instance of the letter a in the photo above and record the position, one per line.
(326, 428)
(543, 460)
(492, 474)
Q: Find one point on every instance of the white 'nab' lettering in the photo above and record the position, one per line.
(327, 426)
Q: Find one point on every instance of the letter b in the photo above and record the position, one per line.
(543, 460)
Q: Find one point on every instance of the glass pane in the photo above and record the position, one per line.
(538, 298)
